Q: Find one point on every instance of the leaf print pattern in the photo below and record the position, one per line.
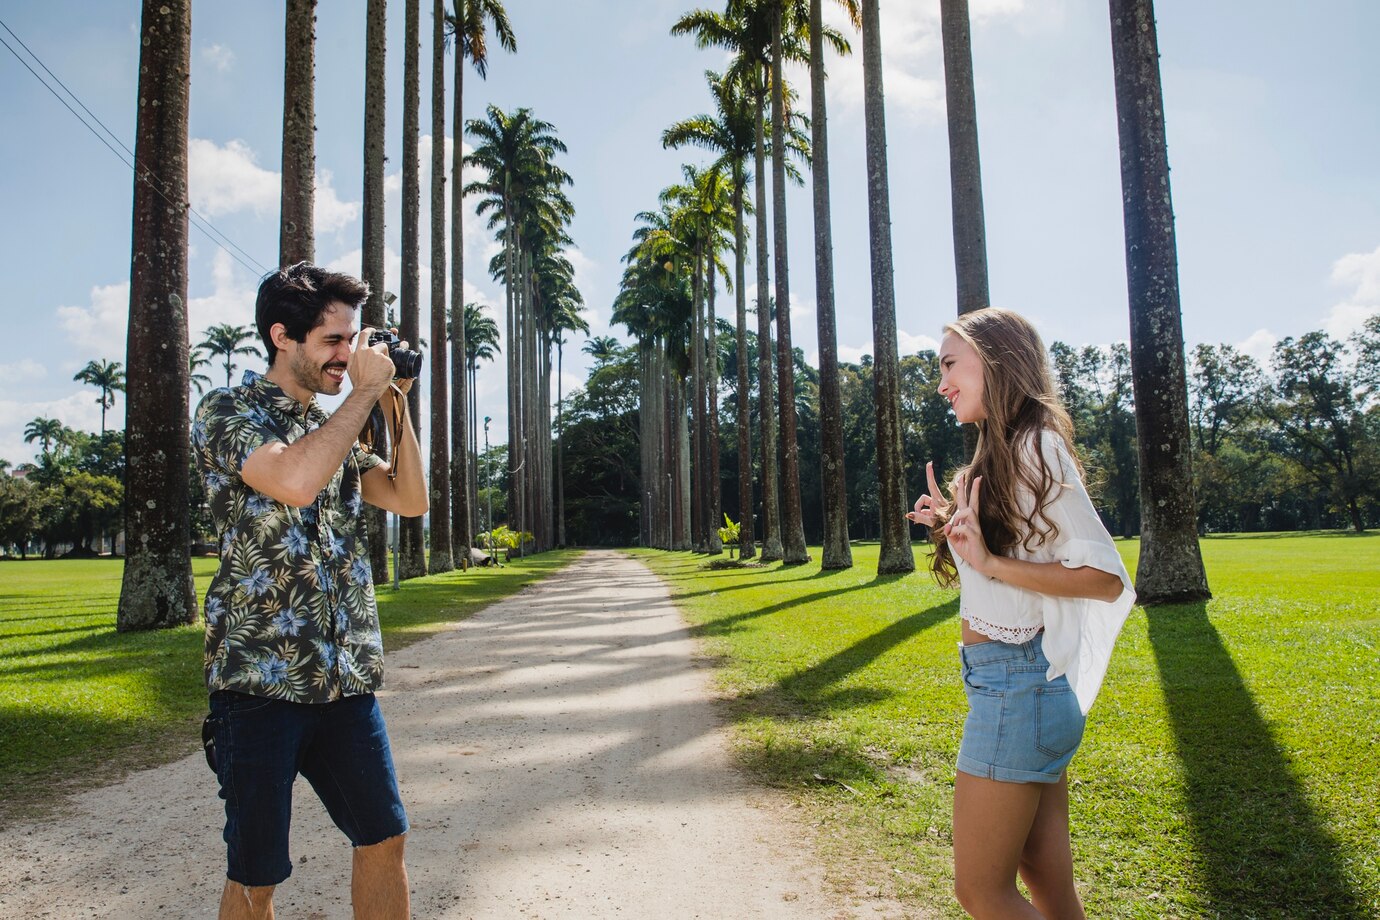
(290, 614)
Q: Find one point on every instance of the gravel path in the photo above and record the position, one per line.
(559, 755)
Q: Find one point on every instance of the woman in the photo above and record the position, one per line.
(1043, 595)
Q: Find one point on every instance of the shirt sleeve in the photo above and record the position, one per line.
(1080, 632)
(227, 430)
(364, 460)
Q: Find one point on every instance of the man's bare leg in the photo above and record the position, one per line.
(378, 886)
(241, 902)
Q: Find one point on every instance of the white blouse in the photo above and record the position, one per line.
(1079, 632)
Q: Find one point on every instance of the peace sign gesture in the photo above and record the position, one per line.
(930, 508)
(964, 530)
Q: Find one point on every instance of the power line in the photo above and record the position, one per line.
(127, 158)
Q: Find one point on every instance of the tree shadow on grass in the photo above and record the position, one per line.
(806, 692)
(1265, 850)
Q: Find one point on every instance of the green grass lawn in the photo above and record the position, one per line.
(1231, 764)
(81, 704)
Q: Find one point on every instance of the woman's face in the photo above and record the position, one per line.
(960, 378)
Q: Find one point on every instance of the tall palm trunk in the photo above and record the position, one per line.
(461, 494)
(965, 168)
(895, 555)
(442, 559)
(1171, 566)
(833, 483)
(376, 20)
(766, 398)
(513, 368)
(746, 545)
(156, 591)
(792, 525)
(711, 398)
(698, 536)
(296, 242)
(560, 444)
(411, 549)
(683, 467)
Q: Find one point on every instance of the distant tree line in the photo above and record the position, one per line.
(1293, 444)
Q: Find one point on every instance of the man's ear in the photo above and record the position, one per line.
(279, 334)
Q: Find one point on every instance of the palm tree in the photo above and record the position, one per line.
(732, 135)
(46, 431)
(108, 377)
(792, 524)
(442, 554)
(1171, 564)
(469, 26)
(156, 591)
(412, 536)
(225, 341)
(481, 344)
(895, 556)
(565, 317)
(602, 348)
(523, 190)
(965, 169)
(296, 237)
(372, 221)
(833, 483)
(745, 31)
(196, 360)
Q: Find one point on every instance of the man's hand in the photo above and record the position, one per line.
(370, 368)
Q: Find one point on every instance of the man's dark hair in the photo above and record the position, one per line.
(297, 296)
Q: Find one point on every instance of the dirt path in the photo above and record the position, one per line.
(559, 755)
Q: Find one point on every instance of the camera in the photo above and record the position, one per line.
(406, 362)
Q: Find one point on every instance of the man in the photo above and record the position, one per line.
(293, 650)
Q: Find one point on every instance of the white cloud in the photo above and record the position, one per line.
(26, 369)
(912, 57)
(1260, 345)
(330, 213)
(906, 344)
(77, 410)
(100, 327)
(229, 180)
(1359, 271)
(218, 56)
(231, 301)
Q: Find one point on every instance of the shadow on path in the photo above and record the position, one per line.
(1265, 851)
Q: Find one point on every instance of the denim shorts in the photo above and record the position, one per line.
(262, 745)
(1021, 728)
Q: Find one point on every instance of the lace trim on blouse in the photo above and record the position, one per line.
(1011, 635)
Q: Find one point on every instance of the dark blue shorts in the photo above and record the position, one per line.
(262, 745)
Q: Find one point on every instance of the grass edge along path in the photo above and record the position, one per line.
(1229, 766)
(82, 705)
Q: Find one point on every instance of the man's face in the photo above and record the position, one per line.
(318, 364)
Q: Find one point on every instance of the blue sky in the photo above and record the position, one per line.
(1272, 139)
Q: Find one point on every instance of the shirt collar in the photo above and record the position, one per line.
(278, 398)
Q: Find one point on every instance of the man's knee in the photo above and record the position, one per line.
(390, 850)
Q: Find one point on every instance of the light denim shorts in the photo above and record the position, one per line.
(1021, 728)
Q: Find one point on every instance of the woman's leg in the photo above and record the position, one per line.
(992, 821)
(1047, 860)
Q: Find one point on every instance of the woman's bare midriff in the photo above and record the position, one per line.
(971, 636)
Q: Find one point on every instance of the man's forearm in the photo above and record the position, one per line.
(296, 473)
(408, 490)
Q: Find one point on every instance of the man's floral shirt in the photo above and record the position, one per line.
(290, 614)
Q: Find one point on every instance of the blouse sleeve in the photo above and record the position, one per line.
(1080, 632)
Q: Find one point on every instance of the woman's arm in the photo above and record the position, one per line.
(1052, 578)
(1055, 578)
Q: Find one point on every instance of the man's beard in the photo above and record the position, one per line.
(313, 377)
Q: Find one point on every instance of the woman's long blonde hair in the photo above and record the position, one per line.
(1021, 401)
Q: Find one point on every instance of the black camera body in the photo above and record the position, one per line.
(407, 364)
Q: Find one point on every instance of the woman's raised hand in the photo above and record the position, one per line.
(930, 508)
(964, 529)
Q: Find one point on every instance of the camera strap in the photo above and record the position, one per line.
(399, 420)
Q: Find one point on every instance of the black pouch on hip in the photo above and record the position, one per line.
(208, 743)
